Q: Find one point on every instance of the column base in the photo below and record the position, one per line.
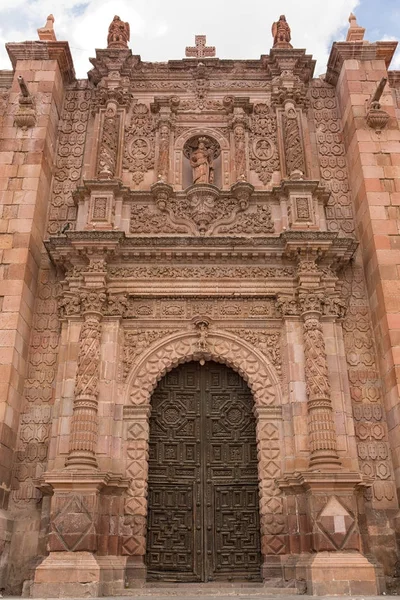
(79, 574)
(337, 574)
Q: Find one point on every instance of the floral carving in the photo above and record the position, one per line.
(268, 343)
(139, 143)
(264, 159)
(199, 272)
(145, 219)
(252, 222)
(136, 341)
(117, 305)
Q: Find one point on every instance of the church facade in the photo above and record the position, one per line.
(200, 325)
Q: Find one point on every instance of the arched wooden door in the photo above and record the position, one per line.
(203, 510)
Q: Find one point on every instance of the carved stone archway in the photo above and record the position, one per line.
(255, 368)
(208, 132)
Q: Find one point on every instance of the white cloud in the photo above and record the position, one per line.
(161, 30)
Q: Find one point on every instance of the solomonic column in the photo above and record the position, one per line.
(82, 451)
(322, 433)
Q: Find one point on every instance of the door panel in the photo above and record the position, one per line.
(203, 521)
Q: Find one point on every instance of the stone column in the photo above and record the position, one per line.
(82, 453)
(322, 434)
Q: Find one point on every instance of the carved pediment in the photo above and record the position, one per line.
(202, 210)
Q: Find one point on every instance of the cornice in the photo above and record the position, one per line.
(283, 249)
(362, 51)
(58, 51)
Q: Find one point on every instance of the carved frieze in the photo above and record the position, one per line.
(199, 272)
(215, 308)
(264, 158)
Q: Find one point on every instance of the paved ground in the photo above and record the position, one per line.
(242, 595)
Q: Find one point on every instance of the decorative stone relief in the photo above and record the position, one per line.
(38, 392)
(198, 272)
(332, 157)
(108, 149)
(264, 159)
(255, 221)
(268, 343)
(83, 437)
(294, 153)
(202, 210)
(237, 354)
(69, 161)
(366, 393)
(215, 308)
(136, 341)
(139, 149)
(322, 434)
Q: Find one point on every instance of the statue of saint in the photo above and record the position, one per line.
(281, 33)
(118, 34)
(201, 160)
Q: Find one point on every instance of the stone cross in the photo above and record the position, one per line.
(200, 50)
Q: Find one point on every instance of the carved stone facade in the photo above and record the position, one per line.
(199, 211)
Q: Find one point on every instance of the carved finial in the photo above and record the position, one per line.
(281, 33)
(46, 33)
(118, 34)
(200, 50)
(355, 32)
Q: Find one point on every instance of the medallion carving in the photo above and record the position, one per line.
(139, 149)
(264, 159)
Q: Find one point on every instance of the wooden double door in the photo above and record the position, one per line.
(203, 509)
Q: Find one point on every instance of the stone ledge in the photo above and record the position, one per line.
(58, 51)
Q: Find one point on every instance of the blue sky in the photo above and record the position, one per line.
(160, 29)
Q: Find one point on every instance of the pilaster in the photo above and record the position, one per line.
(357, 69)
